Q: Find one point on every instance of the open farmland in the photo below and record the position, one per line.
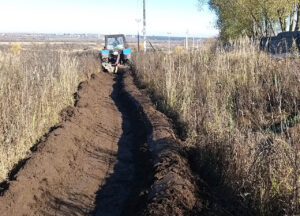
(150, 108)
(78, 141)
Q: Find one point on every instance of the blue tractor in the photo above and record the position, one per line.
(116, 53)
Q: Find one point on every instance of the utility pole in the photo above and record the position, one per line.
(193, 42)
(187, 40)
(169, 33)
(144, 28)
(138, 35)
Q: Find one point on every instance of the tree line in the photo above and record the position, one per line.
(255, 18)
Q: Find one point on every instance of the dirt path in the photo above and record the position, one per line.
(89, 165)
(113, 154)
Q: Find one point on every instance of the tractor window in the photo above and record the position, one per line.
(115, 43)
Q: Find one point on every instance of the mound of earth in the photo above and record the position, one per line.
(112, 154)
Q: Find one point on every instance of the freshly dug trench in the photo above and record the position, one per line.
(97, 161)
(88, 164)
(173, 191)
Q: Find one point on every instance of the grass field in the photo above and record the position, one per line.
(36, 83)
(238, 109)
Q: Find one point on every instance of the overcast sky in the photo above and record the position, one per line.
(106, 17)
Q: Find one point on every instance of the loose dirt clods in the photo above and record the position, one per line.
(64, 174)
(173, 191)
(113, 154)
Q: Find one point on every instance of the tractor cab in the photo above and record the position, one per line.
(115, 42)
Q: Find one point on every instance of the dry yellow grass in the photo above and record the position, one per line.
(239, 109)
(35, 85)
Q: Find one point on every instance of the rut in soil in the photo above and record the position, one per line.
(124, 191)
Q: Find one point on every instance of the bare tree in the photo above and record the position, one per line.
(297, 28)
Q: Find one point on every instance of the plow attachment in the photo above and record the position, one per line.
(109, 67)
(113, 68)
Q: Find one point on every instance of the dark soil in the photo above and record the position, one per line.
(113, 154)
(174, 189)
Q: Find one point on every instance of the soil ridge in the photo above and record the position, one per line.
(173, 191)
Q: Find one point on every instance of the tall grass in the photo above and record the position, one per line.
(35, 85)
(240, 111)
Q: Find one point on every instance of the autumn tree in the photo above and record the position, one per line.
(255, 18)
